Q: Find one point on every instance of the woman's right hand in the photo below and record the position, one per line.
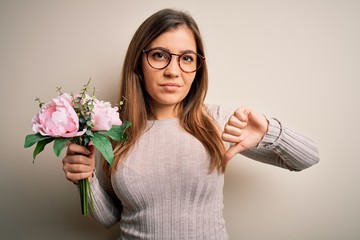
(79, 162)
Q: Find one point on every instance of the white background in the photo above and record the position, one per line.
(295, 60)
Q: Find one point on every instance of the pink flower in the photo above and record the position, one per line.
(104, 116)
(57, 119)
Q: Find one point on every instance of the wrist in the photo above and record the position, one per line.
(272, 134)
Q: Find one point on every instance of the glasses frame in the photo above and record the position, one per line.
(202, 58)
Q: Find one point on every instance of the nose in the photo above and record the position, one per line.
(173, 69)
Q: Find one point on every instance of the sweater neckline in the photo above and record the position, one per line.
(163, 122)
(166, 120)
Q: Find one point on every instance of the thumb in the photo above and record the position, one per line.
(92, 150)
(232, 151)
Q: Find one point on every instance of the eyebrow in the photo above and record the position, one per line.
(181, 52)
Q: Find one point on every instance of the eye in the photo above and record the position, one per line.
(159, 55)
(188, 58)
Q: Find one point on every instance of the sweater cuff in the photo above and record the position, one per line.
(272, 135)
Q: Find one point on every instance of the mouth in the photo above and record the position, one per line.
(170, 87)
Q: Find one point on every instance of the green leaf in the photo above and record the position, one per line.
(124, 136)
(31, 139)
(103, 144)
(59, 145)
(124, 126)
(114, 133)
(117, 132)
(40, 146)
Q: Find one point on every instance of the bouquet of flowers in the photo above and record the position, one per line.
(81, 119)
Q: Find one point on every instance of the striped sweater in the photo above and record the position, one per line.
(163, 189)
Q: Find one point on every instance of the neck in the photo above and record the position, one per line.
(165, 112)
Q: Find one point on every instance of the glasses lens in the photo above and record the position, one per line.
(189, 62)
(158, 58)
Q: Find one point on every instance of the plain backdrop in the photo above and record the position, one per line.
(298, 61)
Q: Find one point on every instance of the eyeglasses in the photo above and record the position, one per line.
(159, 58)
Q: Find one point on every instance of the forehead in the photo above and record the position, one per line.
(176, 40)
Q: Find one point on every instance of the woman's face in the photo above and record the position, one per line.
(169, 86)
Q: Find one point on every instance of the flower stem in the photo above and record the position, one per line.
(84, 185)
(84, 190)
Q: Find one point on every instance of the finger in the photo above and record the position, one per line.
(242, 114)
(232, 138)
(77, 168)
(77, 149)
(92, 150)
(75, 172)
(232, 130)
(236, 122)
(78, 159)
(232, 151)
(75, 177)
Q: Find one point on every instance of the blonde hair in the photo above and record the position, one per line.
(193, 115)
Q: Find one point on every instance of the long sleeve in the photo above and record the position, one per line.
(280, 146)
(106, 209)
(284, 148)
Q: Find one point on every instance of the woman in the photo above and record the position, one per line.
(167, 180)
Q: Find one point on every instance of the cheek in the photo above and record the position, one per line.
(149, 82)
(189, 79)
(146, 70)
(147, 76)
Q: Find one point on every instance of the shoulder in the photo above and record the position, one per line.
(219, 113)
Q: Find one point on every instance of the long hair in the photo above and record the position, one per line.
(193, 115)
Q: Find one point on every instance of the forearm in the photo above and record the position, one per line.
(106, 210)
(284, 148)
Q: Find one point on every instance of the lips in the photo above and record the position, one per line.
(170, 87)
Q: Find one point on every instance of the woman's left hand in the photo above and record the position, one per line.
(245, 129)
